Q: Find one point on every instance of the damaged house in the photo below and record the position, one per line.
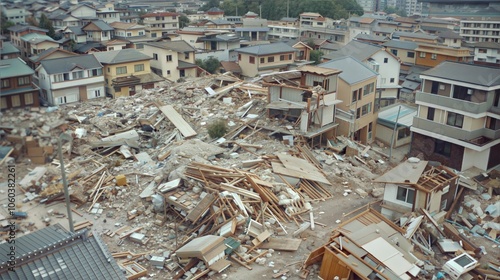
(367, 246)
(307, 98)
(417, 185)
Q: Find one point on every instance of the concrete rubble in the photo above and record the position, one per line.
(153, 184)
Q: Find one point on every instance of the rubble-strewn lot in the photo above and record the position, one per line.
(145, 175)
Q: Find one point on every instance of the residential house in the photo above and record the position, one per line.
(448, 23)
(411, 186)
(328, 47)
(258, 59)
(83, 12)
(34, 43)
(17, 31)
(160, 24)
(314, 25)
(51, 53)
(419, 37)
(98, 31)
(127, 15)
(449, 38)
(381, 61)
(356, 89)
(221, 46)
(252, 33)
(107, 13)
(116, 44)
(62, 20)
(18, 89)
(410, 81)
(393, 124)
(216, 24)
(371, 39)
(192, 35)
(75, 33)
(70, 79)
(303, 50)
(215, 13)
(458, 122)
(307, 99)
(56, 253)
(407, 24)
(432, 55)
(285, 28)
(127, 31)
(487, 53)
(126, 72)
(8, 50)
(172, 60)
(404, 50)
(366, 246)
(360, 25)
(16, 14)
(478, 28)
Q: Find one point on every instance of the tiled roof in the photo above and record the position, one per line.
(359, 50)
(353, 70)
(406, 45)
(274, 48)
(178, 46)
(120, 56)
(66, 64)
(483, 75)
(14, 67)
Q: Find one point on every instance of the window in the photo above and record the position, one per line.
(169, 57)
(153, 35)
(430, 113)
(282, 57)
(386, 60)
(155, 56)
(358, 113)
(394, 52)
(422, 54)
(141, 33)
(366, 109)
(168, 72)
(139, 67)
(443, 204)
(59, 78)
(392, 80)
(239, 57)
(96, 72)
(383, 81)
(251, 59)
(15, 100)
(289, 57)
(21, 81)
(270, 59)
(121, 70)
(5, 83)
(403, 133)
(442, 147)
(368, 89)
(405, 195)
(455, 119)
(434, 56)
(97, 93)
(410, 54)
(355, 96)
(77, 75)
(129, 34)
(28, 98)
(3, 103)
(186, 55)
(262, 60)
(482, 50)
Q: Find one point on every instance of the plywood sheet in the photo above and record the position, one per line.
(282, 244)
(313, 176)
(404, 172)
(200, 208)
(179, 122)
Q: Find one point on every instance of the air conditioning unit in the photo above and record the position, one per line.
(460, 265)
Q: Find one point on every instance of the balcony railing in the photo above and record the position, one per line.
(455, 132)
(453, 103)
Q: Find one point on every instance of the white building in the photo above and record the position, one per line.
(479, 29)
(16, 15)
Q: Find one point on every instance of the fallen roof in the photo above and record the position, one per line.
(53, 251)
(405, 172)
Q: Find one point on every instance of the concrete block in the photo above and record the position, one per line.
(361, 193)
(157, 261)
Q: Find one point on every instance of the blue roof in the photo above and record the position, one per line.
(14, 67)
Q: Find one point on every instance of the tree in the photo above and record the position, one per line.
(32, 21)
(183, 21)
(210, 64)
(209, 4)
(310, 43)
(316, 56)
(45, 23)
(5, 23)
(393, 10)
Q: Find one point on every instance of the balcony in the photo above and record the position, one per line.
(477, 137)
(77, 82)
(452, 103)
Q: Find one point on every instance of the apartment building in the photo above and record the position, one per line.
(160, 24)
(431, 55)
(480, 29)
(486, 53)
(314, 25)
(15, 14)
(285, 28)
(458, 121)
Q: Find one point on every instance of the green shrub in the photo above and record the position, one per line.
(217, 129)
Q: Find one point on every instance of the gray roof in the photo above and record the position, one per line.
(8, 48)
(101, 25)
(413, 35)
(66, 64)
(220, 21)
(371, 37)
(405, 45)
(265, 49)
(487, 45)
(448, 34)
(19, 28)
(178, 46)
(220, 38)
(483, 75)
(56, 253)
(353, 70)
(120, 56)
(359, 50)
(14, 67)
(77, 30)
(289, 19)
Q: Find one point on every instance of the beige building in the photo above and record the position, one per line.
(259, 59)
(172, 59)
(404, 50)
(160, 24)
(126, 72)
(356, 88)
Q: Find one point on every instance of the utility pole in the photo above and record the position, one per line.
(67, 137)
(260, 11)
(287, 8)
(394, 132)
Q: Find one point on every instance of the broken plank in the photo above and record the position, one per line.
(240, 262)
(281, 273)
(186, 130)
(282, 244)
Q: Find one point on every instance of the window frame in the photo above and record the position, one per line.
(140, 65)
(121, 68)
(408, 193)
(22, 81)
